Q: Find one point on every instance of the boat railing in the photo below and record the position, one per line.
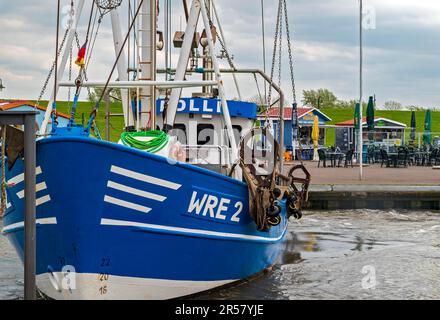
(216, 157)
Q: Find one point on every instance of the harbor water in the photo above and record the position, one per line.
(355, 254)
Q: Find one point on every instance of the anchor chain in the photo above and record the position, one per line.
(46, 82)
(261, 177)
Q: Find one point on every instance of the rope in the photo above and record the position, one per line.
(49, 76)
(158, 141)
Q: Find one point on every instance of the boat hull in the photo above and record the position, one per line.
(118, 223)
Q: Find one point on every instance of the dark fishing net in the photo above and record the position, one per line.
(108, 4)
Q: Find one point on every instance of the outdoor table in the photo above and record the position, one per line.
(334, 156)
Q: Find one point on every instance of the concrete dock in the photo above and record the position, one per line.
(381, 188)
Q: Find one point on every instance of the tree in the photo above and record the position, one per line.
(321, 98)
(257, 100)
(392, 105)
(115, 94)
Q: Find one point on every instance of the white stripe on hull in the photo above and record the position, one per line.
(20, 225)
(145, 178)
(20, 178)
(42, 200)
(90, 287)
(126, 204)
(137, 192)
(39, 187)
(122, 223)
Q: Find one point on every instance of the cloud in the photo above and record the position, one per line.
(401, 53)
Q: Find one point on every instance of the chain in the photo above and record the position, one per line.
(274, 54)
(292, 78)
(280, 52)
(43, 90)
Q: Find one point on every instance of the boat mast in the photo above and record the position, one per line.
(122, 67)
(147, 33)
(62, 65)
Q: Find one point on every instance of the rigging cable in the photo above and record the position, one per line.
(54, 103)
(264, 46)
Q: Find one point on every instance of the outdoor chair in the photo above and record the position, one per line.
(370, 155)
(411, 156)
(322, 157)
(348, 158)
(402, 157)
(433, 157)
(436, 159)
(385, 159)
(377, 155)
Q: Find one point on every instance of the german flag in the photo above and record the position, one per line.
(80, 60)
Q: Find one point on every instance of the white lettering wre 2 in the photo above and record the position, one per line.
(214, 207)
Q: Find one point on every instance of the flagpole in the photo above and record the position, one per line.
(360, 147)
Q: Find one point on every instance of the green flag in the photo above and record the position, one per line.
(428, 127)
(413, 125)
(370, 114)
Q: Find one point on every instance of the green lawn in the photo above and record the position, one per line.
(339, 115)
(84, 109)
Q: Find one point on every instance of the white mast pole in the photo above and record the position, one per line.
(62, 66)
(360, 92)
(147, 62)
(122, 67)
(221, 89)
(182, 63)
(226, 48)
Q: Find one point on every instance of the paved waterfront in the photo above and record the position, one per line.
(355, 254)
(373, 174)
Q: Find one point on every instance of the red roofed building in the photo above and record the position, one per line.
(305, 121)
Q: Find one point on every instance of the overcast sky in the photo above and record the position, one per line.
(402, 52)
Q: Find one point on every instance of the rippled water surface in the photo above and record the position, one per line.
(362, 254)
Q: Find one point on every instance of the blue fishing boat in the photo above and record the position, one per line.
(191, 198)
